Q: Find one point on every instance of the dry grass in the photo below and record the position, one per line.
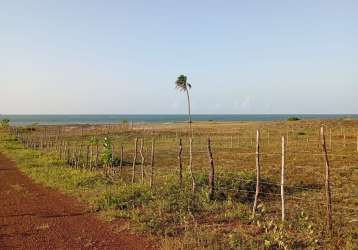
(225, 223)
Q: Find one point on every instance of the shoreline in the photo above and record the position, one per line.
(154, 123)
(104, 122)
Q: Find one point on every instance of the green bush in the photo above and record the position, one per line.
(294, 118)
(106, 156)
(5, 123)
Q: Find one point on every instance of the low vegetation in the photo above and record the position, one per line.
(181, 219)
(5, 123)
(294, 118)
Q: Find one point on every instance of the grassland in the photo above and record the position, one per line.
(180, 219)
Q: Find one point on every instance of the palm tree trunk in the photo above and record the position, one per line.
(189, 109)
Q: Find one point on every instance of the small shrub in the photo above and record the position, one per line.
(106, 156)
(5, 123)
(241, 187)
(294, 118)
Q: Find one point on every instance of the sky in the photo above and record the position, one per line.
(123, 57)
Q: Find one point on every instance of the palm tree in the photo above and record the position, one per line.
(183, 85)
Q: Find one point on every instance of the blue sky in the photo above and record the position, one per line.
(120, 57)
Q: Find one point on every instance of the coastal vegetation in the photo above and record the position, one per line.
(293, 118)
(94, 163)
(5, 123)
(182, 85)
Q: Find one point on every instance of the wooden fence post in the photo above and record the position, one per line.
(180, 162)
(142, 158)
(283, 157)
(257, 173)
(191, 164)
(121, 161)
(212, 171)
(327, 182)
(134, 159)
(87, 155)
(152, 164)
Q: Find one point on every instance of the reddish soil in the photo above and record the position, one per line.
(35, 217)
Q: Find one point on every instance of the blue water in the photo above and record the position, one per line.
(106, 119)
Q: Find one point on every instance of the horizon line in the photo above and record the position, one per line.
(79, 114)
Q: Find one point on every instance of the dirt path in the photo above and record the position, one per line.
(35, 217)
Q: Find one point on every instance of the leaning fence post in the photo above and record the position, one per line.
(152, 164)
(283, 179)
(327, 182)
(212, 172)
(257, 173)
(134, 159)
(142, 158)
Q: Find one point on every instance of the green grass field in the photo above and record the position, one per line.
(180, 219)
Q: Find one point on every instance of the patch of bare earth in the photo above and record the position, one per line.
(35, 217)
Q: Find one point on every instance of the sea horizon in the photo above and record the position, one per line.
(62, 119)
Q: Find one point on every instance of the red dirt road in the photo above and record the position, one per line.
(35, 217)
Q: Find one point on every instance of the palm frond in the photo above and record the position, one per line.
(181, 83)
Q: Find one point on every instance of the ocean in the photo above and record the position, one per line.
(107, 119)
